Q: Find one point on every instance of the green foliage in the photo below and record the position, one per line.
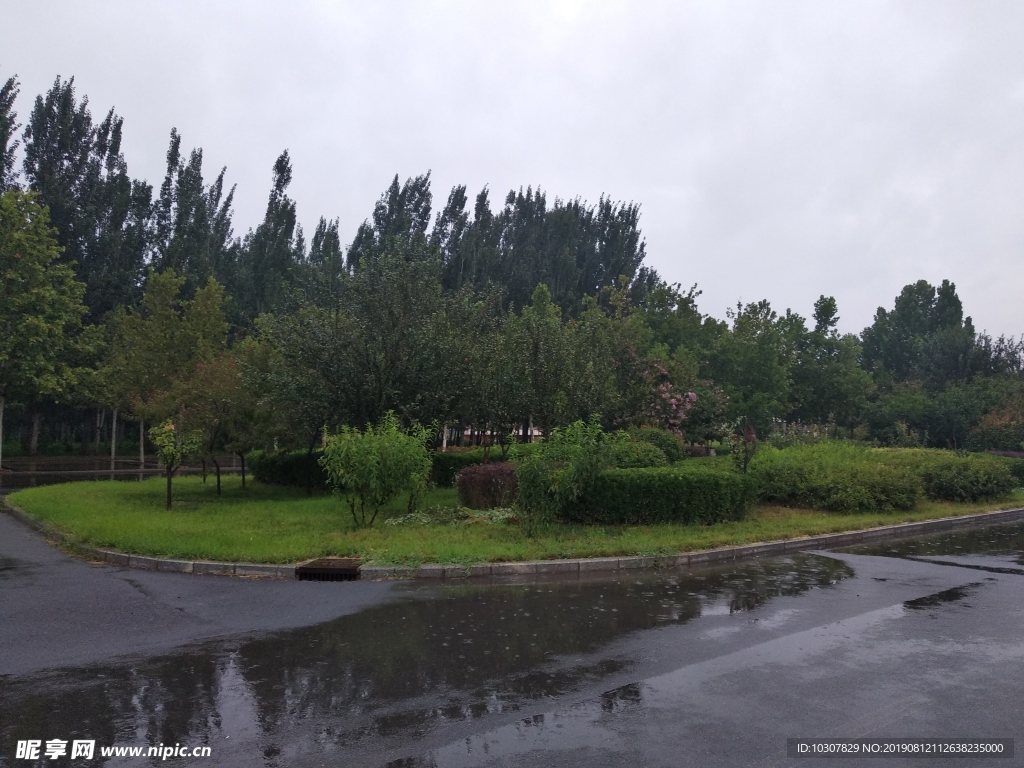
(175, 446)
(627, 453)
(41, 305)
(949, 477)
(833, 476)
(663, 495)
(102, 215)
(370, 468)
(295, 468)
(446, 465)
(669, 443)
(1015, 465)
(556, 475)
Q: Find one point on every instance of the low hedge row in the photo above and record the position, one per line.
(844, 477)
(949, 477)
(664, 495)
(847, 483)
(448, 464)
(299, 468)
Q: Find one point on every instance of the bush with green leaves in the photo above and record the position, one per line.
(950, 477)
(838, 477)
(446, 465)
(369, 468)
(679, 494)
(668, 442)
(556, 474)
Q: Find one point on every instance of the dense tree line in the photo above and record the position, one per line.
(122, 302)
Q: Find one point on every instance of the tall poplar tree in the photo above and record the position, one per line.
(192, 232)
(101, 215)
(8, 126)
(270, 253)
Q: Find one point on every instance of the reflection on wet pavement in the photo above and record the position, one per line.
(395, 670)
(997, 548)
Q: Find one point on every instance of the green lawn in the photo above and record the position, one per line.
(272, 524)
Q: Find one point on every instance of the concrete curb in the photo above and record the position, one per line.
(437, 571)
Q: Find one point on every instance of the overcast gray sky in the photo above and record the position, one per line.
(779, 150)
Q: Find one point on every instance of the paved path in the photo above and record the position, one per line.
(712, 667)
(57, 610)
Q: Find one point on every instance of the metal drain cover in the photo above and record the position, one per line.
(328, 569)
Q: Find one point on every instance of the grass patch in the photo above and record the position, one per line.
(273, 524)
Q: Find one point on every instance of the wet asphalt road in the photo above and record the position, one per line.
(714, 667)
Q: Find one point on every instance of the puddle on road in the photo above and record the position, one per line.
(954, 595)
(394, 670)
(999, 548)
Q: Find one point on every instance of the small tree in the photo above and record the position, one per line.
(372, 467)
(173, 448)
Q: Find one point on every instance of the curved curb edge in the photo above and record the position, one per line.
(526, 567)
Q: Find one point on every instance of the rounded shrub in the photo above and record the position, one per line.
(669, 443)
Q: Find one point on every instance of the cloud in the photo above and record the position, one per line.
(779, 150)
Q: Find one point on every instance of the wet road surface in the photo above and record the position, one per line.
(655, 668)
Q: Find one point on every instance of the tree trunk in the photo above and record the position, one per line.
(309, 470)
(142, 453)
(1, 432)
(170, 474)
(113, 437)
(242, 457)
(204, 471)
(216, 467)
(33, 443)
(101, 420)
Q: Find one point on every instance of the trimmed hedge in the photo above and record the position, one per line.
(664, 495)
(487, 486)
(636, 454)
(447, 464)
(669, 443)
(299, 468)
(951, 477)
(835, 477)
(843, 477)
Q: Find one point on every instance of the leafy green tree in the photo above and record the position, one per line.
(271, 253)
(160, 344)
(41, 306)
(192, 229)
(8, 126)
(174, 446)
(547, 344)
(400, 220)
(372, 467)
(925, 337)
(828, 381)
(752, 365)
(101, 215)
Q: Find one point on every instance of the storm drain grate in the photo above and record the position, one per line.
(328, 569)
